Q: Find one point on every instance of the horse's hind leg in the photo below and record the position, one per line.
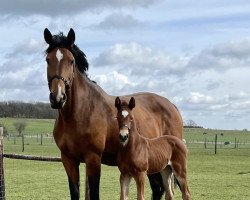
(156, 185)
(167, 177)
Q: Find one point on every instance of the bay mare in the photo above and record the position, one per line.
(86, 127)
(138, 156)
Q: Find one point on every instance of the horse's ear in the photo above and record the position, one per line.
(71, 37)
(131, 103)
(48, 36)
(117, 102)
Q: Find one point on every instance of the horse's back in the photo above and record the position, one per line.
(156, 115)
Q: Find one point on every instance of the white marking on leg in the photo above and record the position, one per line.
(124, 113)
(166, 175)
(125, 186)
(59, 55)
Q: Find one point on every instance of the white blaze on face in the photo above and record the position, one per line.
(124, 113)
(59, 93)
(59, 55)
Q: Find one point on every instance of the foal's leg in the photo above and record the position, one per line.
(167, 176)
(93, 171)
(124, 184)
(184, 188)
(140, 181)
(181, 176)
(72, 170)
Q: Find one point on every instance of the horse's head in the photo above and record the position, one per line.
(125, 118)
(60, 66)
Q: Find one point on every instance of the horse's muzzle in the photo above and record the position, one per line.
(57, 103)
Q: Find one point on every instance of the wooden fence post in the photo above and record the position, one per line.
(41, 139)
(215, 146)
(205, 143)
(23, 142)
(14, 138)
(2, 185)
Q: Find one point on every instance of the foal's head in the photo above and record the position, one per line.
(125, 118)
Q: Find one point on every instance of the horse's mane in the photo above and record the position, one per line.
(80, 58)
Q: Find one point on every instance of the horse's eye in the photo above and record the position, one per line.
(71, 62)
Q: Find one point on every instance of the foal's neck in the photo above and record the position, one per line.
(135, 137)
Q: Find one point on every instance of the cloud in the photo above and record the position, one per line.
(23, 73)
(137, 59)
(28, 47)
(66, 7)
(197, 98)
(114, 83)
(232, 54)
(117, 21)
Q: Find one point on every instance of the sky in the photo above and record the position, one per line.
(195, 53)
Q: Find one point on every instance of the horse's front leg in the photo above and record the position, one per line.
(156, 185)
(93, 172)
(140, 181)
(124, 184)
(72, 170)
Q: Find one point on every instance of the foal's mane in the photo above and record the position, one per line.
(61, 41)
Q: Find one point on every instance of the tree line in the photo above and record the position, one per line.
(36, 110)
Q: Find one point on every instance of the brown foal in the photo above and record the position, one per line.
(139, 156)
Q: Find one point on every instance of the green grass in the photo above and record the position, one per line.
(34, 126)
(225, 175)
(222, 176)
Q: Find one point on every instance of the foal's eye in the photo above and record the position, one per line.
(71, 62)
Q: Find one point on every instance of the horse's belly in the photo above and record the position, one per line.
(109, 159)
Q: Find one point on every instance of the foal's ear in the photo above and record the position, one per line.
(131, 103)
(117, 102)
(47, 36)
(71, 37)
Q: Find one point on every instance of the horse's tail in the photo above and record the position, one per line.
(176, 182)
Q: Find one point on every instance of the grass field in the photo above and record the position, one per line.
(225, 175)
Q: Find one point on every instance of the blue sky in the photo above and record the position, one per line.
(195, 53)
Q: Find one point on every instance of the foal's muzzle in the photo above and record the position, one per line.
(123, 138)
(57, 103)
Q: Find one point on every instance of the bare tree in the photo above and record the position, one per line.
(20, 126)
(190, 123)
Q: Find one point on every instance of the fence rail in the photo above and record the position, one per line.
(18, 156)
(32, 157)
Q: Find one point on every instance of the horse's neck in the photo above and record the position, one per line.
(82, 94)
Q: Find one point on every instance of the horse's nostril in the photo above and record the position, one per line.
(52, 97)
(64, 97)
